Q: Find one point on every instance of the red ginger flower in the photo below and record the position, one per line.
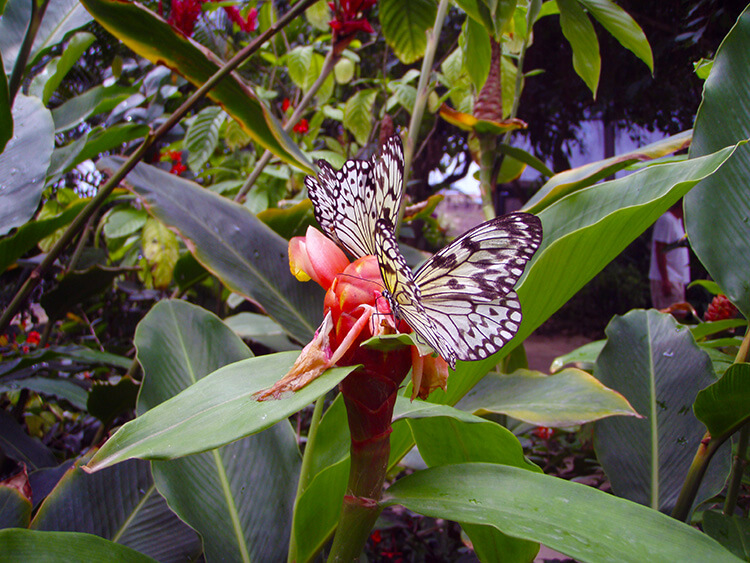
(185, 13)
(301, 127)
(348, 19)
(720, 308)
(33, 338)
(355, 311)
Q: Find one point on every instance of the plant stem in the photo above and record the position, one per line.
(738, 468)
(106, 189)
(304, 474)
(330, 61)
(423, 92)
(740, 461)
(703, 456)
(708, 447)
(487, 148)
(37, 13)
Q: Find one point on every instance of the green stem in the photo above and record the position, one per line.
(330, 61)
(423, 92)
(738, 468)
(708, 447)
(16, 76)
(304, 474)
(740, 461)
(106, 189)
(487, 148)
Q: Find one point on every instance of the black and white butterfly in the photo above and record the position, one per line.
(348, 202)
(461, 301)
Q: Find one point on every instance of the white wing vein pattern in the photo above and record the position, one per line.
(348, 202)
(461, 301)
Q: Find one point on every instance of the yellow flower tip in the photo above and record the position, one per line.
(315, 257)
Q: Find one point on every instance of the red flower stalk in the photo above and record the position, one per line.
(250, 23)
(720, 308)
(184, 14)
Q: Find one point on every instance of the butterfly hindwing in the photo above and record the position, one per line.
(465, 291)
(348, 202)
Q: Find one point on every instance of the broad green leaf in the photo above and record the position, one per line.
(702, 330)
(62, 388)
(47, 81)
(579, 31)
(574, 179)
(260, 328)
(724, 406)
(717, 211)
(60, 357)
(319, 14)
(404, 25)
(60, 18)
(17, 444)
(579, 521)
(137, 26)
(654, 362)
(6, 117)
(567, 398)
(124, 220)
(218, 409)
(358, 114)
(290, 221)
(238, 497)
(733, 532)
(445, 440)
(582, 233)
(96, 100)
(52, 547)
(15, 509)
(477, 52)
(202, 136)
(586, 354)
(21, 177)
(229, 241)
(622, 27)
(136, 515)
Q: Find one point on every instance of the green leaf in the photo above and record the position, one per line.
(657, 366)
(358, 114)
(724, 406)
(717, 211)
(702, 330)
(733, 532)
(96, 100)
(60, 18)
(15, 509)
(579, 521)
(124, 220)
(446, 440)
(62, 388)
(228, 240)
(202, 136)
(577, 178)
(622, 27)
(238, 497)
(137, 27)
(477, 52)
(579, 31)
(21, 177)
(134, 511)
(161, 250)
(48, 80)
(586, 354)
(17, 444)
(290, 221)
(260, 328)
(404, 25)
(567, 398)
(206, 414)
(52, 547)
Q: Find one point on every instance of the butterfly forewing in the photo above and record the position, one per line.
(348, 202)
